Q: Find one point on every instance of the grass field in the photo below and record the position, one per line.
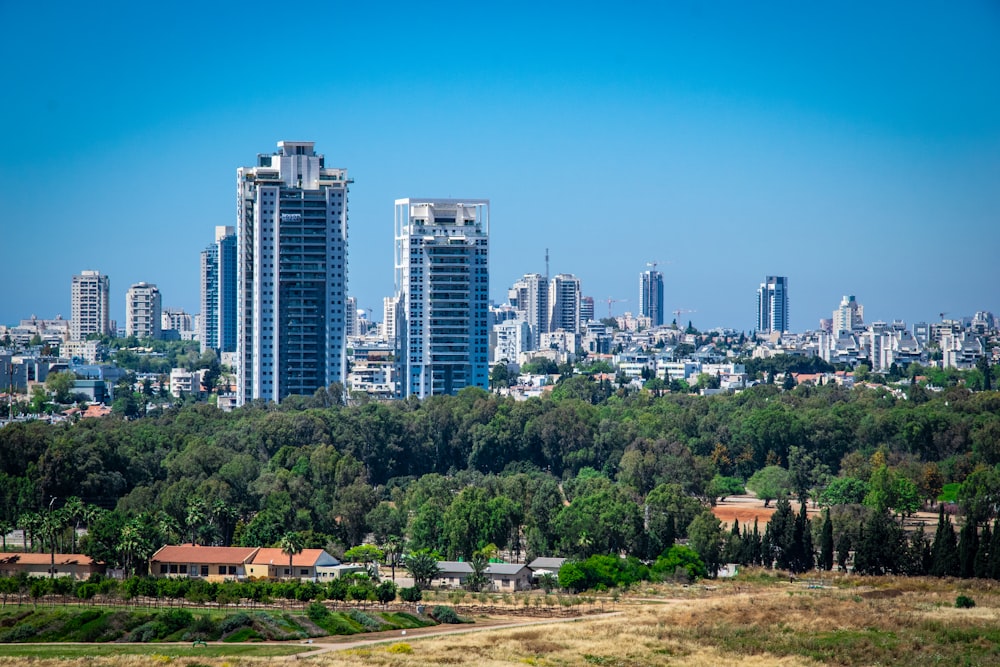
(159, 653)
(757, 619)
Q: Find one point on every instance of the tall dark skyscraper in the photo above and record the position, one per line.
(651, 296)
(291, 274)
(772, 305)
(217, 329)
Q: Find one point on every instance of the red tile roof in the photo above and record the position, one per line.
(45, 559)
(268, 555)
(190, 553)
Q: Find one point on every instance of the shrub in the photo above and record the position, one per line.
(412, 594)
(445, 614)
(20, 633)
(317, 611)
(234, 622)
(400, 647)
(365, 621)
(964, 602)
(146, 632)
(175, 619)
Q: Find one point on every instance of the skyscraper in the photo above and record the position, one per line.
(530, 298)
(587, 312)
(442, 283)
(291, 273)
(143, 314)
(89, 309)
(564, 303)
(772, 305)
(651, 296)
(849, 316)
(218, 292)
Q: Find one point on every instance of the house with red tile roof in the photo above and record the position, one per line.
(309, 565)
(192, 560)
(78, 566)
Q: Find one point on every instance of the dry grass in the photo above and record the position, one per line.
(758, 620)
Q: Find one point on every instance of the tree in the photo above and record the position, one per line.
(844, 491)
(61, 385)
(769, 483)
(944, 555)
(422, 566)
(705, 537)
(291, 545)
(826, 543)
(477, 579)
(979, 495)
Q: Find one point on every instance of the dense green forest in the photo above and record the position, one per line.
(586, 471)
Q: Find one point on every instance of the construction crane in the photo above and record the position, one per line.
(941, 315)
(681, 311)
(610, 301)
(655, 263)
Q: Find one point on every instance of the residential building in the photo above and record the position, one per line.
(184, 382)
(529, 296)
(389, 306)
(564, 303)
(191, 560)
(217, 326)
(510, 339)
(90, 312)
(291, 274)
(143, 315)
(308, 565)
(651, 297)
(78, 566)
(586, 310)
(351, 316)
(849, 316)
(772, 305)
(442, 283)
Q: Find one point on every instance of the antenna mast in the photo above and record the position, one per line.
(546, 265)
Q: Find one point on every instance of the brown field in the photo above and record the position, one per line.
(747, 508)
(757, 619)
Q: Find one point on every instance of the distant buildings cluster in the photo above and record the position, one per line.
(276, 309)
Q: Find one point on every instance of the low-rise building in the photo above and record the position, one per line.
(78, 566)
(192, 560)
(308, 565)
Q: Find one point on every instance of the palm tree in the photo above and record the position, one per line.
(197, 515)
(74, 510)
(290, 544)
(5, 527)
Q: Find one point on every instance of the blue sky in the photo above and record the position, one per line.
(853, 148)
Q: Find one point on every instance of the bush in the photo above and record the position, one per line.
(400, 647)
(964, 602)
(234, 622)
(175, 619)
(21, 633)
(445, 614)
(365, 621)
(317, 611)
(412, 594)
(146, 632)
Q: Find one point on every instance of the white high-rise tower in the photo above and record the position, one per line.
(89, 309)
(291, 273)
(442, 284)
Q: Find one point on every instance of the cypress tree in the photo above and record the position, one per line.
(826, 543)
(801, 557)
(945, 549)
(843, 551)
(766, 548)
(994, 566)
(968, 544)
(669, 532)
(982, 566)
(918, 560)
(782, 530)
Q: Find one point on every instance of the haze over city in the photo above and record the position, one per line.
(855, 150)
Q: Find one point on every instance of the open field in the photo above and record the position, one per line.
(757, 619)
(748, 507)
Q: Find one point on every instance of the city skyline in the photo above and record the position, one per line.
(853, 149)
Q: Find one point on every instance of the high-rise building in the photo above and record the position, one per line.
(586, 309)
(143, 313)
(651, 297)
(442, 283)
(389, 306)
(217, 326)
(530, 298)
(564, 303)
(849, 316)
(772, 305)
(351, 316)
(291, 274)
(89, 307)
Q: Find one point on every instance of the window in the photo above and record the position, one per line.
(232, 569)
(204, 570)
(304, 572)
(184, 569)
(173, 568)
(222, 569)
(163, 568)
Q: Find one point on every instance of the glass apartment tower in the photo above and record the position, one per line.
(529, 296)
(291, 274)
(442, 292)
(772, 305)
(564, 303)
(217, 328)
(651, 297)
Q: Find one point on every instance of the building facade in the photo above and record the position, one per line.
(143, 311)
(442, 284)
(291, 274)
(772, 305)
(217, 326)
(564, 303)
(529, 296)
(651, 297)
(89, 308)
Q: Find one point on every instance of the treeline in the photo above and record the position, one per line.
(578, 473)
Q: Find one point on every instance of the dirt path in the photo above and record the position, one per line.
(328, 644)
